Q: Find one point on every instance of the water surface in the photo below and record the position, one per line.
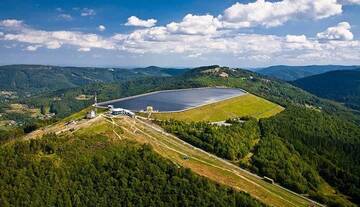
(175, 100)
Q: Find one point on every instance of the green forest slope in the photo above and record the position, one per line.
(302, 149)
(96, 171)
(35, 79)
(290, 73)
(341, 86)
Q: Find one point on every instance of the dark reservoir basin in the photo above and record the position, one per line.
(175, 100)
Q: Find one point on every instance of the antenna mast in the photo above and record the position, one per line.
(95, 100)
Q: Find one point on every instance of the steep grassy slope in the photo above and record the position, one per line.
(341, 86)
(246, 105)
(290, 73)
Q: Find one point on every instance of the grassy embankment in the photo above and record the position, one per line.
(246, 105)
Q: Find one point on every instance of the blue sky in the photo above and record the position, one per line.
(180, 33)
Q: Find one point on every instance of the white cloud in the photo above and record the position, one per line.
(339, 32)
(202, 37)
(12, 23)
(101, 28)
(32, 47)
(84, 49)
(135, 21)
(298, 42)
(196, 55)
(53, 44)
(250, 47)
(271, 14)
(193, 24)
(88, 12)
(66, 17)
(159, 40)
(296, 38)
(55, 39)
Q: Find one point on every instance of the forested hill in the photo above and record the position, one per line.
(64, 102)
(42, 78)
(312, 147)
(95, 170)
(290, 73)
(305, 150)
(342, 86)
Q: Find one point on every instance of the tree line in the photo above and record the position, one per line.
(93, 171)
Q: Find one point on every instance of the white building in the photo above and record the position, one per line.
(120, 111)
(91, 114)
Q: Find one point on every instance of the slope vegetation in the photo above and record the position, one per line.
(245, 105)
(120, 130)
(303, 149)
(341, 86)
(290, 73)
(34, 79)
(311, 147)
(95, 170)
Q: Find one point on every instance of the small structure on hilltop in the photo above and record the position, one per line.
(224, 75)
(120, 111)
(91, 114)
(149, 109)
(95, 99)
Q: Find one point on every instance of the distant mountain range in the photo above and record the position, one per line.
(342, 86)
(291, 73)
(41, 78)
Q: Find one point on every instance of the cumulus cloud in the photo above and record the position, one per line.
(338, 32)
(196, 55)
(53, 39)
(197, 36)
(11, 23)
(296, 38)
(270, 14)
(135, 21)
(101, 28)
(32, 47)
(193, 24)
(88, 12)
(84, 49)
(160, 40)
(298, 42)
(252, 47)
(66, 17)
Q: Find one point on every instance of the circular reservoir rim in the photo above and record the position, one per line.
(101, 104)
